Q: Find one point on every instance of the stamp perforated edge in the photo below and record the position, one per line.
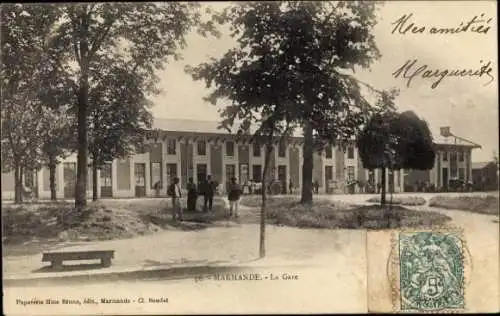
(393, 267)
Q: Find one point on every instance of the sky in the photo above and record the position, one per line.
(468, 105)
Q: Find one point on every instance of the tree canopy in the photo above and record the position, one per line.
(119, 112)
(137, 39)
(293, 63)
(64, 54)
(396, 140)
(392, 140)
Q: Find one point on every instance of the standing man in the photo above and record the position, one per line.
(234, 194)
(174, 191)
(316, 186)
(192, 195)
(208, 191)
(290, 187)
(157, 187)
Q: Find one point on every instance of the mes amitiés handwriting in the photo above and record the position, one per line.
(478, 24)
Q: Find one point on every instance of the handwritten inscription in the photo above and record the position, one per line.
(478, 24)
(411, 70)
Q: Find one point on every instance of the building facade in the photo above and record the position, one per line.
(452, 166)
(485, 176)
(197, 149)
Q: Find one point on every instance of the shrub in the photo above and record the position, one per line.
(255, 200)
(486, 204)
(324, 214)
(400, 200)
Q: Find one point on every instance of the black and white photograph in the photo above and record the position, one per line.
(254, 157)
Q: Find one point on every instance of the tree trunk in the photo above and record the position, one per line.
(307, 166)
(52, 178)
(82, 171)
(18, 185)
(391, 186)
(82, 104)
(94, 182)
(382, 185)
(263, 208)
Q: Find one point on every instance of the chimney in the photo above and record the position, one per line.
(445, 131)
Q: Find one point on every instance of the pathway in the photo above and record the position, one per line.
(233, 244)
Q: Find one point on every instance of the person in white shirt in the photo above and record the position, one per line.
(174, 191)
(234, 194)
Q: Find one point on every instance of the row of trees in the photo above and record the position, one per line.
(290, 69)
(77, 77)
(91, 67)
(293, 67)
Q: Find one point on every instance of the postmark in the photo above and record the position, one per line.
(429, 271)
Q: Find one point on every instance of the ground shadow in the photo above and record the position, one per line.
(192, 220)
(35, 247)
(154, 263)
(474, 204)
(68, 268)
(174, 273)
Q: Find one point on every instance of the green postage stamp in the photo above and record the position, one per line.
(430, 273)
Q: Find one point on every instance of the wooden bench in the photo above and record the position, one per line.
(57, 258)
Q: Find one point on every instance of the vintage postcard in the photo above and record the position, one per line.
(250, 157)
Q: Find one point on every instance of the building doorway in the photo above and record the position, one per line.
(69, 176)
(31, 181)
(244, 176)
(282, 178)
(371, 182)
(140, 179)
(171, 172)
(390, 175)
(329, 179)
(230, 173)
(445, 179)
(201, 173)
(351, 181)
(156, 177)
(256, 173)
(106, 181)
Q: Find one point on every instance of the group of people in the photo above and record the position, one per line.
(207, 189)
(273, 187)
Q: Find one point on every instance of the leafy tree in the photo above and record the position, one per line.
(118, 117)
(58, 141)
(415, 146)
(25, 30)
(137, 36)
(32, 136)
(57, 96)
(293, 59)
(394, 141)
(21, 141)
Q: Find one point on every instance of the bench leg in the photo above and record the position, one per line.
(56, 264)
(106, 262)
